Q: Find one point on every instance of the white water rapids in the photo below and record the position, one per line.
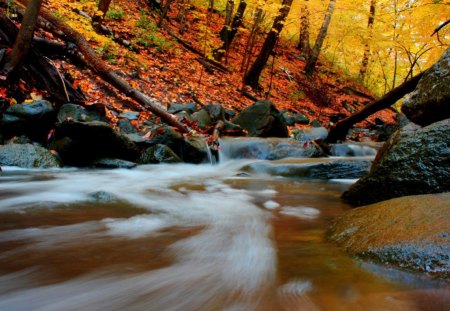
(239, 248)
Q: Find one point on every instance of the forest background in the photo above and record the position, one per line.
(378, 44)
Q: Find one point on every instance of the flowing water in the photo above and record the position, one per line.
(185, 237)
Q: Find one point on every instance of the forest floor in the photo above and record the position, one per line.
(161, 67)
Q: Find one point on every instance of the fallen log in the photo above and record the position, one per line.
(88, 56)
(339, 131)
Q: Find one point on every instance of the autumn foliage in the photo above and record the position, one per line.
(160, 62)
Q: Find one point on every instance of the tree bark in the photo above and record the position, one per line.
(24, 38)
(339, 131)
(252, 76)
(303, 42)
(90, 59)
(228, 32)
(103, 5)
(312, 60)
(366, 56)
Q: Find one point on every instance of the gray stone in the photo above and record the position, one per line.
(262, 119)
(267, 148)
(27, 156)
(159, 154)
(189, 150)
(324, 169)
(126, 127)
(311, 134)
(430, 101)
(216, 112)
(33, 120)
(130, 115)
(202, 118)
(292, 118)
(410, 162)
(73, 112)
(177, 107)
(113, 163)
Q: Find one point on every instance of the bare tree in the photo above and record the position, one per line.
(312, 60)
(252, 76)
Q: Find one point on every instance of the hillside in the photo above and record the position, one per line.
(162, 63)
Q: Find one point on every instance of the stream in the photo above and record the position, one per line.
(186, 237)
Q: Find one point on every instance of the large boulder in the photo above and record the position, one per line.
(262, 119)
(81, 143)
(189, 150)
(409, 163)
(411, 232)
(430, 101)
(27, 156)
(31, 119)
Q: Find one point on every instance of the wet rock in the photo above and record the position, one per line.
(267, 148)
(202, 118)
(33, 120)
(411, 232)
(177, 107)
(27, 156)
(191, 151)
(411, 162)
(354, 149)
(310, 134)
(73, 112)
(126, 127)
(130, 115)
(113, 163)
(216, 112)
(292, 118)
(430, 101)
(139, 140)
(324, 169)
(81, 143)
(159, 154)
(262, 119)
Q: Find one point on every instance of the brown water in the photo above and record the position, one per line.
(184, 237)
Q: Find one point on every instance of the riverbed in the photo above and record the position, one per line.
(186, 237)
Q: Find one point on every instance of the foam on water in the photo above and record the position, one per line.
(230, 260)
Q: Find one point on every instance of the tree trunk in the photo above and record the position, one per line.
(252, 76)
(366, 56)
(24, 38)
(228, 33)
(103, 5)
(339, 131)
(164, 12)
(303, 42)
(312, 60)
(249, 47)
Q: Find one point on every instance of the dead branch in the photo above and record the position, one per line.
(339, 131)
(88, 56)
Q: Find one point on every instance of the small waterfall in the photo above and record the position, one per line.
(263, 148)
